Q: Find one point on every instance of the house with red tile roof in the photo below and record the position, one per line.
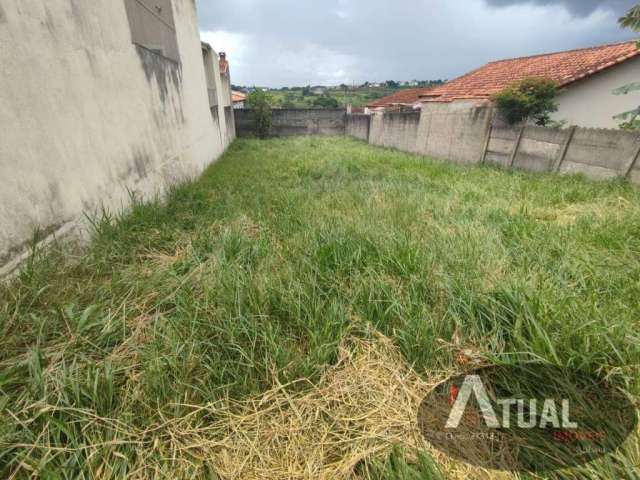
(238, 99)
(406, 99)
(587, 77)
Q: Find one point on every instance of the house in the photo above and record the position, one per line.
(403, 100)
(103, 103)
(587, 76)
(319, 90)
(238, 99)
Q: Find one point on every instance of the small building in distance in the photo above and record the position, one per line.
(239, 99)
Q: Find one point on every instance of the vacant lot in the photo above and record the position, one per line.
(279, 317)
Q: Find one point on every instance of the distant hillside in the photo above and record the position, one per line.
(333, 97)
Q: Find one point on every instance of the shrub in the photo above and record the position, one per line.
(531, 98)
(326, 102)
(260, 103)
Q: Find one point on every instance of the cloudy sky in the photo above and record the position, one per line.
(299, 42)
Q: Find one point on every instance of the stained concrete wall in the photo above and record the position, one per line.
(540, 148)
(395, 130)
(456, 131)
(88, 117)
(358, 126)
(473, 134)
(600, 154)
(292, 122)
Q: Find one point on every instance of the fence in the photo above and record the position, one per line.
(472, 134)
(291, 122)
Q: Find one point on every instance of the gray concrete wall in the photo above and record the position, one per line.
(540, 148)
(292, 122)
(501, 145)
(88, 116)
(600, 154)
(454, 131)
(395, 130)
(471, 134)
(358, 126)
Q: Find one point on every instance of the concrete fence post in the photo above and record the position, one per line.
(489, 130)
(565, 148)
(516, 147)
(633, 162)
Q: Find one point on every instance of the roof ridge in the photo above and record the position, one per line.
(583, 49)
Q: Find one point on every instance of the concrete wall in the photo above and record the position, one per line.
(87, 116)
(152, 26)
(291, 122)
(395, 130)
(600, 154)
(475, 135)
(591, 103)
(358, 126)
(453, 131)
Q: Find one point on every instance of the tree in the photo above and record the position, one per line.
(289, 101)
(528, 99)
(260, 103)
(326, 101)
(629, 120)
(632, 19)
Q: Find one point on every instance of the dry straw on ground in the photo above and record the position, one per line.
(360, 410)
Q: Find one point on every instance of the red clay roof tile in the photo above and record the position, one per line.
(238, 96)
(407, 96)
(563, 67)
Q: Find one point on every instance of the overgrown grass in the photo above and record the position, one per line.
(257, 271)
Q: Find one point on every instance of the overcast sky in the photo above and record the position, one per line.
(298, 42)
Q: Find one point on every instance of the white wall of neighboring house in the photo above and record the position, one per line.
(87, 116)
(591, 103)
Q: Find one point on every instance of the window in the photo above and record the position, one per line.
(152, 26)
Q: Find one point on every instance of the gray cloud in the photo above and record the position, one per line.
(578, 7)
(294, 42)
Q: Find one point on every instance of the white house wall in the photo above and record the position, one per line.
(591, 103)
(88, 117)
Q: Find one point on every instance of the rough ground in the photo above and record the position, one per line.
(213, 333)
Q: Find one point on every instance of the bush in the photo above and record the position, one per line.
(260, 103)
(326, 102)
(531, 98)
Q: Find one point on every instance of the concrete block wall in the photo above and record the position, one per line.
(293, 122)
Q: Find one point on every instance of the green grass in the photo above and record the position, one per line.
(278, 252)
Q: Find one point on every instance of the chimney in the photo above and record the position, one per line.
(224, 64)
